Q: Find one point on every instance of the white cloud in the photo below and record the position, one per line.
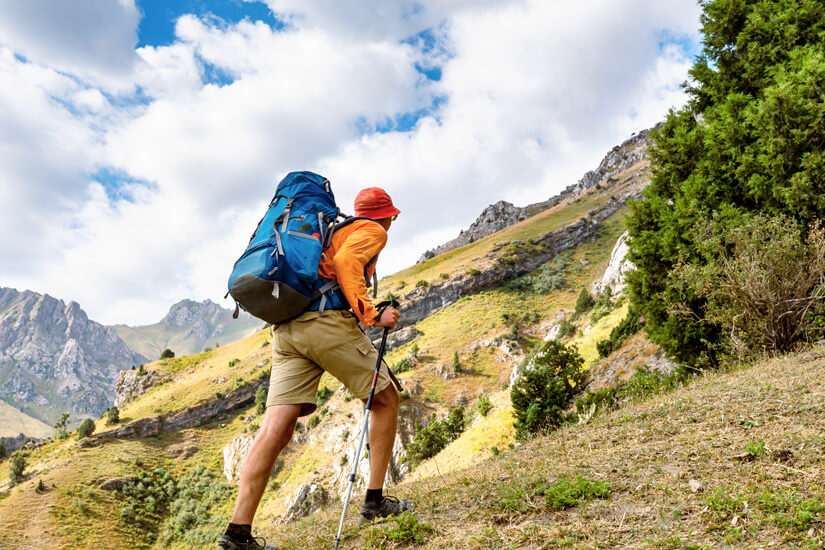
(534, 94)
(92, 38)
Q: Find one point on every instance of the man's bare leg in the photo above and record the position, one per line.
(279, 423)
(383, 423)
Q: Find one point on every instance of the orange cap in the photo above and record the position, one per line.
(375, 203)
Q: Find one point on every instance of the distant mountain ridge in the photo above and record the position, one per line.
(54, 359)
(503, 214)
(188, 327)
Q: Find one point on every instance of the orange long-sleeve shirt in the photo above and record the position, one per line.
(345, 259)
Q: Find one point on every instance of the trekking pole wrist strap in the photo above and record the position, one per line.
(382, 306)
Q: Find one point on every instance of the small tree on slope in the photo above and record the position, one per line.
(543, 392)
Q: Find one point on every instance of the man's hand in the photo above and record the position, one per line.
(389, 317)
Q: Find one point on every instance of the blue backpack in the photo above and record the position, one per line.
(276, 278)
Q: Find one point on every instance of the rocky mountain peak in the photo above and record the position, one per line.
(188, 312)
(51, 351)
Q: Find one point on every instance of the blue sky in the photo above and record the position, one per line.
(140, 142)
(157, 25)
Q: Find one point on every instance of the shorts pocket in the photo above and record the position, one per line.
(363, 344)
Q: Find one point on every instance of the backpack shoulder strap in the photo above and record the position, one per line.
(342, 224)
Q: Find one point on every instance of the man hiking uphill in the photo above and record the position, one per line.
(327, 338)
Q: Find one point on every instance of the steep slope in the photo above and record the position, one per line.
(734, 460)
(189, 327)
(54, 359)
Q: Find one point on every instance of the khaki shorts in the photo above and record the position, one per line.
(302, 349)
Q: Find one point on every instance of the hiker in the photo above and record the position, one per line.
(327, 338)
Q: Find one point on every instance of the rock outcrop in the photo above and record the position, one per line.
(621, 365)
(306, 499)
(133, 383)
(55, 359)
(617, 269)
(493, 218)
(195, 415)
(234, 453)
(11, 444)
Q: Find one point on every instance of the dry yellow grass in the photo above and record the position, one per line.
(648, 453)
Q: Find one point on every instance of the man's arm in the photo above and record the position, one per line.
(360, 247)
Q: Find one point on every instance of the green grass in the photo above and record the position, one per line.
(531, 494)
(404, 529)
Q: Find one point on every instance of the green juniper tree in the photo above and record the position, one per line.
(543, 392)
(17, 465)
(749, 140)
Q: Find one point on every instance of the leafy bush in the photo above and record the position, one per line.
(314, 420)
(403, 365)
(584, 302)
(17, 465)
(260, 401)
(112, 415)
(484, 405)
(422, 284)
(603, 305)
(85, 429)
(473, 271)
(141, 370)
(167, 354)
(433, 437)
(444, 275)
(219, 395)
(566, 328)
(762, 282)
(234, 362)
(41, 487)
(323, 394)
(628, 326)
(190, 519)
(147, 497)
(186, 504)
(549, 276)
(545, 388)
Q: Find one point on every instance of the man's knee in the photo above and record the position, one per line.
(279, 423)
(387, 398)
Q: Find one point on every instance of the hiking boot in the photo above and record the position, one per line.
(390, 506)
(228, 543)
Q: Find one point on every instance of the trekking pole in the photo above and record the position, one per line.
(365, 426)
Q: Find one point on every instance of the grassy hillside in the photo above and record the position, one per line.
(734, 460)
(13, 422)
